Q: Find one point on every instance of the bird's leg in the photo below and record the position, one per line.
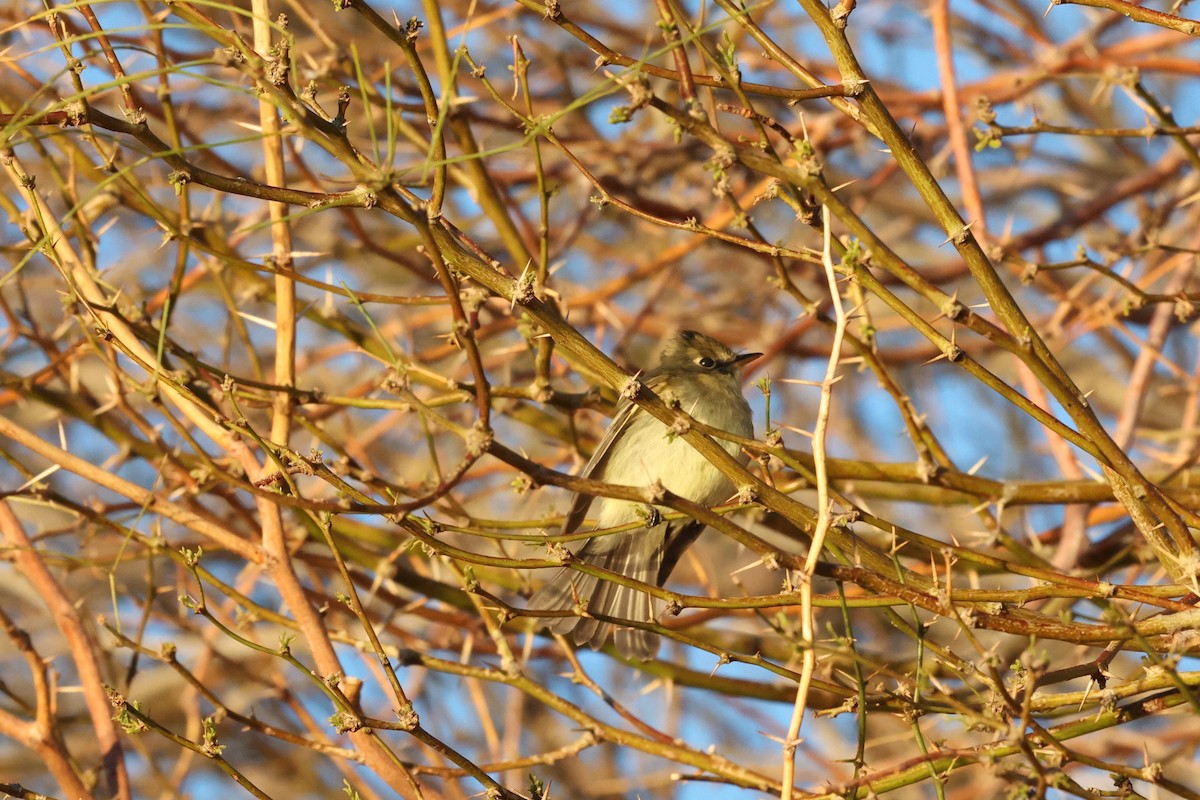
(651, 515)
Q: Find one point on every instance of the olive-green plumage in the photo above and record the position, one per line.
(702, 375)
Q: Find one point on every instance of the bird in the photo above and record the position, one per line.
(701, 375)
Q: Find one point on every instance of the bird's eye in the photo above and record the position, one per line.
(706, 362)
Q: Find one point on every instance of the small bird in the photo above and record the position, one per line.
(701, 374)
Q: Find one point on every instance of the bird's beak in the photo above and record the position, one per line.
(742, 358)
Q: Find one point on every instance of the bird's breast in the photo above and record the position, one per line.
(646, 452)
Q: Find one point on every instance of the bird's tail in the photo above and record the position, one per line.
(635, 555)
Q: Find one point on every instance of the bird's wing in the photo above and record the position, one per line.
(680, 536)
(595, 466)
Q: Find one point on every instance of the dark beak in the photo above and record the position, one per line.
(742, 358)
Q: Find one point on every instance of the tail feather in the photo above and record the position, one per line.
(635, 555)
(560, 593)
(635, 642)
(589, 630)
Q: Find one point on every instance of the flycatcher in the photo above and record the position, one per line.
(702, 375)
